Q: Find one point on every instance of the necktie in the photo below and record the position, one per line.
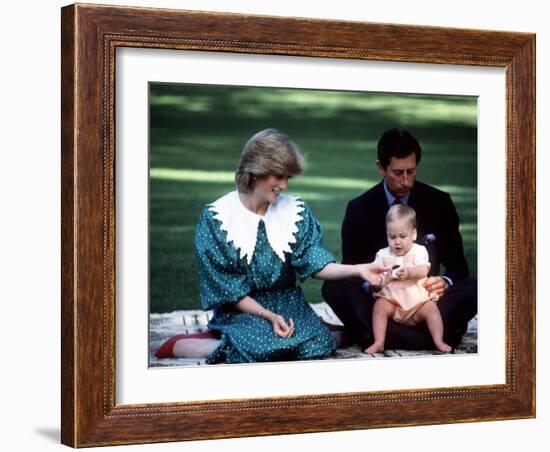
(396, 202)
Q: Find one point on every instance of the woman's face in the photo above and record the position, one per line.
(400, 236)
(267, 188)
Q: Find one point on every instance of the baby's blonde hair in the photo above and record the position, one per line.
(401, 212)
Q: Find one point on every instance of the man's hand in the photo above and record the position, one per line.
(436, 285)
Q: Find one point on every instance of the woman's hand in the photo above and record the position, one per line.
(373, 273)
(280, 327)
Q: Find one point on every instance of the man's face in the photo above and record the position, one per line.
(400, 175)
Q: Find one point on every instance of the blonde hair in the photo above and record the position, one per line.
(268, 152)
(401, 212)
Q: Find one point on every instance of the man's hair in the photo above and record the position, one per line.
(401, 212)
(268, 152)
(399, 143)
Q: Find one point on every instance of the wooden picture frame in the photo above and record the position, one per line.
(90, 36)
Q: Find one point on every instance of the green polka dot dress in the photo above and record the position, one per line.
(268, 275)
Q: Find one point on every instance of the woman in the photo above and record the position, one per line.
(252, 245)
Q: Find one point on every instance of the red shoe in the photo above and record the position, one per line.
(167, 348)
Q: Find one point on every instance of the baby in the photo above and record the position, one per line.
(402, 296)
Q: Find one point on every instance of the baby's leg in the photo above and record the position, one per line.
(382, 310)
(431, 315)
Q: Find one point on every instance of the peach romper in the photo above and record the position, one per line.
(408, 295)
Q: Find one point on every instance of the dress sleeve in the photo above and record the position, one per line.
(223, 277)
(308, 255)
(421, 255)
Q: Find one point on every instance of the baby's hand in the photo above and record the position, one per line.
(392, 275)
(401, 273)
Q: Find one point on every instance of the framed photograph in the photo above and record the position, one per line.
(156, 107)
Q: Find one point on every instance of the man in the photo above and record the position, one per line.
(364, 233)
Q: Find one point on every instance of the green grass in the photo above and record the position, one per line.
(197, 134)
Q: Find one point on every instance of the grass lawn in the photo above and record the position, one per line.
(197, 134)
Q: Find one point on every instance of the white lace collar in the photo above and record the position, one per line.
(241, 224)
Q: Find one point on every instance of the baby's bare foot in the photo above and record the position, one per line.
(374, 348)
(443, 347)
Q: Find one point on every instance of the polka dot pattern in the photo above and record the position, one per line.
(224, 279)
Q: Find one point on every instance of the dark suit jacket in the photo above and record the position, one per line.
(364, 228)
